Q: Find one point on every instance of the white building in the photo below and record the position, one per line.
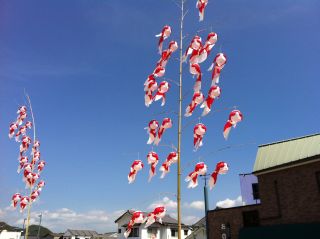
(80, 234)
(199, 230)
(167, 230)
(10, 235)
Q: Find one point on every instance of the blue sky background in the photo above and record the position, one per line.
(84, 64)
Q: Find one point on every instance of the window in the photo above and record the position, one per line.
(251, 218)
(185, 232)
(152, 232)
(134, 232)
(119, 230)
(255, 191)
(318, 179)
(174, 232)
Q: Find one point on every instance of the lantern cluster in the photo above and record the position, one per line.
(30, 162)
(196, 53)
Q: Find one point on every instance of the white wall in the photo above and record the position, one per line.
(162, 232)
(10, 235)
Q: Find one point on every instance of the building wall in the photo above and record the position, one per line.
(298, 195)
(163, 232)
(287, 196)
(10, 235)
(217, 219)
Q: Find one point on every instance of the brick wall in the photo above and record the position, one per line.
(287, 196)
(298, 195)
(232, 216)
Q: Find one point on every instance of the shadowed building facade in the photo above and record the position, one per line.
(288, 190)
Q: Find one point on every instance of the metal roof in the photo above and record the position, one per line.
(80, 233)
(285, 152)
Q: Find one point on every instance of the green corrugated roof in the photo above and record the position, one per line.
(288, 151)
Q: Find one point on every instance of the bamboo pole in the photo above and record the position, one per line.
(179, 126)
(34, 139)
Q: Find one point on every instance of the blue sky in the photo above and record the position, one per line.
(84, 64)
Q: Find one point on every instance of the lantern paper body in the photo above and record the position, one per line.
(149, 87)
(22, 161)
(22, 131)
(161, 93)
(34, 195)
(23, 203)
(221, 168)
(137, 217)
(40, 185)
(206, 49)
(15, 199)
(35, 146)
(166, 124)
(22, 109)
(152, 130)
(12, 128)
(198, 133)
(165, 55)
(24, 146)
(36, 157)
(27, 169)
(165, 33)
(196, 71)
(234, 118)
(201, 5)
(213, 93)
(21, 117)
(218, 63)
(153, 159)
(196, 100)
(157, 214)
(193, 50)
(136, 166)
(31, 179)
(41, 165)
(200, 169)
(165, 168)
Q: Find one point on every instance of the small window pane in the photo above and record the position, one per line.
(174, 232)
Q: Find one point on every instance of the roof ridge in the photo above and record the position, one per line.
(291, 139)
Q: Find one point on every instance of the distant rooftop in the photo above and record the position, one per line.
(286, 152)
(88, 233)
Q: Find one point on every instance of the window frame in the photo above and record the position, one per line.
(255, 192)
(317, 174)
(175, 232)
(134, 232)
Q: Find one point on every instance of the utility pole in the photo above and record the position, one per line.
(38, 236)
(206, 203)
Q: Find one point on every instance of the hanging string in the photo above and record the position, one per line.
(190, 162)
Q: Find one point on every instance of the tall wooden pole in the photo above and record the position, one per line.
(31, 188)
(179, 125)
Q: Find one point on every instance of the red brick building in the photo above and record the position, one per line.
(289, 191)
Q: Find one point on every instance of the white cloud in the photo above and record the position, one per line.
(189, 220)
(167, 202)
(230, 203)
(64, 218)
(198, 205)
